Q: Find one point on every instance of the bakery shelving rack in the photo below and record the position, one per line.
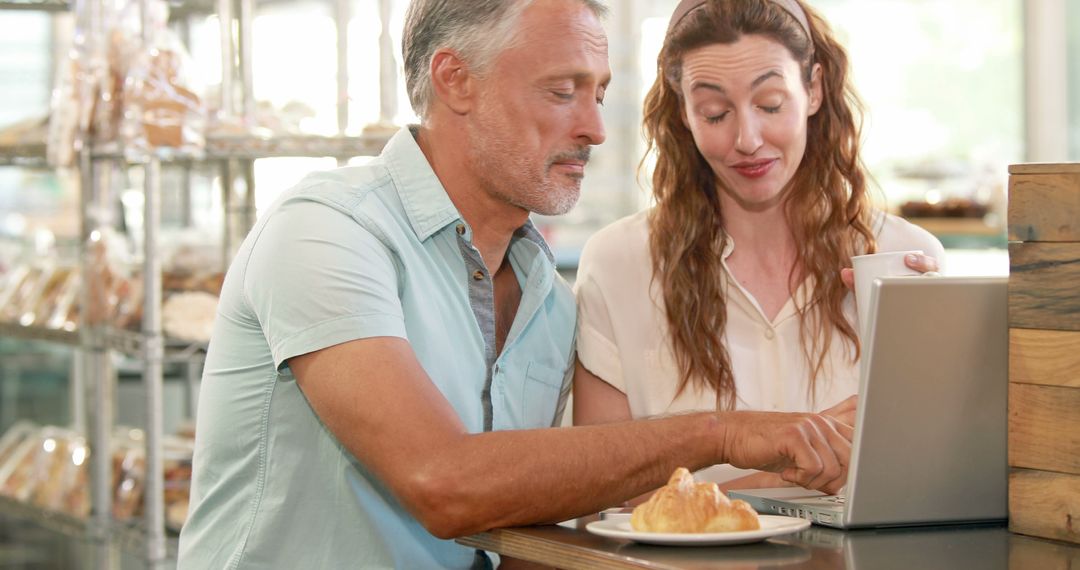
(93, 381)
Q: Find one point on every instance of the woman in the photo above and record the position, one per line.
(728, 293)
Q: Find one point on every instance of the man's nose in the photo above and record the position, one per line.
(589, 124)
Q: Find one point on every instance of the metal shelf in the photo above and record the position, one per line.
(250, 148)
(39, 5)
(13, 330)
(123, 341)
(128, 536)
(221, 148)
(28, 155)
(176, 9)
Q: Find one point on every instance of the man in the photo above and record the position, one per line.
(392, 339)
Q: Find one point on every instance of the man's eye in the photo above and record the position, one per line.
(564, 95)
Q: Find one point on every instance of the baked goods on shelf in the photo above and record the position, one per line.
(48, 467)
(685, 506)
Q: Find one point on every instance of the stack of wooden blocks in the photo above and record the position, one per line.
(1044, 350)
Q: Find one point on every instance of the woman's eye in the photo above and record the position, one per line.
(713, 119)
(770, 109)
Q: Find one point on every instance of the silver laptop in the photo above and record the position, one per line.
(931, 426)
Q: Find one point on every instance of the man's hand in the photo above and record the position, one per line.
(810, 450)
(844, 412)
(917, 261)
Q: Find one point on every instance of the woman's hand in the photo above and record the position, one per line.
(917, 261)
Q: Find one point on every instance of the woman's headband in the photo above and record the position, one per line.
(790, 6)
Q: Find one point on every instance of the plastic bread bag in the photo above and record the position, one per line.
(71, 104)
(122, 44)
(178, 452)
(18, 433)
(54, 287)
(75, 486)
(65, 312)
(109, 280)
(129, 473)
(21, 291)
(53, 468)
(17, 473)
(13, 281)
(163, 105)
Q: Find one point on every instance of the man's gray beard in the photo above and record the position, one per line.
(543, 196)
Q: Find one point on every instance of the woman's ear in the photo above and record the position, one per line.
(815, 89)
(451, 81)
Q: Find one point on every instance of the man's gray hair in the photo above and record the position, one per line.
(477, 30)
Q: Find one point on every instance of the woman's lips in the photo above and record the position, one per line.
(755, 169)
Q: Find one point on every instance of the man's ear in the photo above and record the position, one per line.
(451, 81)
(815, 89)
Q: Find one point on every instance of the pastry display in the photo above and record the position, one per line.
(49, 467)
(685, 506)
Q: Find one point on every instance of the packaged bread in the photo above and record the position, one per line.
(162, 105)
(65, 312)
(20, 290)
(54, 468)
(129, 473)
(75, 493)
(13, 438)
(53, 290)
(17, 474)
(685, 506)
(178, 452)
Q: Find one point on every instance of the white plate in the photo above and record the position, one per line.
(771, 525)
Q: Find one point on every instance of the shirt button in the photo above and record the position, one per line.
(478, 275)
(460, 229)
(769, 334)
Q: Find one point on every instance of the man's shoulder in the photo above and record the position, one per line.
(348, 188)
(364, 194)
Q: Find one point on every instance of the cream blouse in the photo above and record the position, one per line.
(623, 336)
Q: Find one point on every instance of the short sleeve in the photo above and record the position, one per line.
(316, 278)
(596, 345)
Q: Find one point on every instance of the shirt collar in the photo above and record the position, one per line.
(529, 232)
(729, 245)
(426, 203)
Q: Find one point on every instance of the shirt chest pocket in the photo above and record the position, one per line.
(525, 395)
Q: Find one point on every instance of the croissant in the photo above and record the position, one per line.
(687, 507)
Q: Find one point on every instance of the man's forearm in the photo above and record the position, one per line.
(513, 478)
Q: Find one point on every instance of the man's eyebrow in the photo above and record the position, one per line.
(753, 85)
(579, 77)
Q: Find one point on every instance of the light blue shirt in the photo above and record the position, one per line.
(375, 250)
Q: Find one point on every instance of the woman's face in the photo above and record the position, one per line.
(747, 107)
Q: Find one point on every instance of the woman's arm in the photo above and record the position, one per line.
(596, 401)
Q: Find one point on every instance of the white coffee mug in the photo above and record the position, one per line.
(870, 267)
